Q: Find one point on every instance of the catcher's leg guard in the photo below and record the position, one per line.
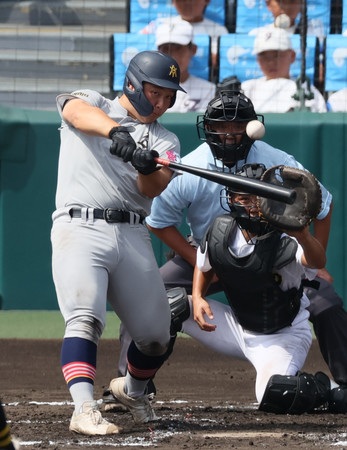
(179, 306)
(289, 394)
(338, 400)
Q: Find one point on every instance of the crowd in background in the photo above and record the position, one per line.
(277, 89)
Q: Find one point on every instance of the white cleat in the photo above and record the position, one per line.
(140, 408)
(91, 422)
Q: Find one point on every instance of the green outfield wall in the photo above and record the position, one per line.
(29, 148)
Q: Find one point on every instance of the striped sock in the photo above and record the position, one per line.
(78, 361)
(141, 368)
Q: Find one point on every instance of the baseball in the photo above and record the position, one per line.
(255, 129)
(282, 21)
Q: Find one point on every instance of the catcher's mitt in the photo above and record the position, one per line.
(306, 205)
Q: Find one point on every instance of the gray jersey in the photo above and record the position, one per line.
(90, 176)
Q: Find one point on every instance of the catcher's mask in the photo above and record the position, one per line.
(243, 206)
(152, 67)
(228, 106)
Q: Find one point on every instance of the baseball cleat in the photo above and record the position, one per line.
(140, 408)
(90, 421)
(111, 403)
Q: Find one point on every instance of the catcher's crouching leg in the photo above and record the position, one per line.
(179, 307)
(295, 394)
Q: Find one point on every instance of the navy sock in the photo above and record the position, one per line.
(78, 360)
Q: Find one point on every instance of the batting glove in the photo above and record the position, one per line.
(123, 145)
(143, 161)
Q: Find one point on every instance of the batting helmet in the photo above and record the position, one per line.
(152, 67)
(227, 106)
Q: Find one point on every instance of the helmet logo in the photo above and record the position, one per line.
(173, 71)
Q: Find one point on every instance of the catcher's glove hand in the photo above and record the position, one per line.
(306, 205)
(123, 145)
(143, 161)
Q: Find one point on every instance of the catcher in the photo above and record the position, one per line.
(261, 270)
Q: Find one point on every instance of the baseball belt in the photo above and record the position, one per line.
(110, 215)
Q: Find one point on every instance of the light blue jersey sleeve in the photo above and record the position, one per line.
(167, 209)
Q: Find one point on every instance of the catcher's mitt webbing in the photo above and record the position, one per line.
(306, 206)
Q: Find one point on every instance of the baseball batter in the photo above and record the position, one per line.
(102, 250)
(261, 271)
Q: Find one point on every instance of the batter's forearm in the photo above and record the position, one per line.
(87, 118)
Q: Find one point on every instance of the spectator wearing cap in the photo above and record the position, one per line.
(275, 90)
(193, 11)
(176, 39)
(285, 14)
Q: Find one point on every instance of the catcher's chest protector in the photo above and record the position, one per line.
(250, 282)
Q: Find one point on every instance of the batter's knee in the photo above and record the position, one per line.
(153, 348)
(84, 327)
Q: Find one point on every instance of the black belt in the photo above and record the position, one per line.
(110, 215)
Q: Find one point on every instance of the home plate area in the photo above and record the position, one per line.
(204, 400)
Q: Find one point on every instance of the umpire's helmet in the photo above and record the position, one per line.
(227, 106)
(152, 67)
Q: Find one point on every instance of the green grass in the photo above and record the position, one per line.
(44, 325)
(49, 325)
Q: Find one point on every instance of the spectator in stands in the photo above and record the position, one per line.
(275, 91)
(337, 102)
(193, 12)
(284, 13)
(176, 40)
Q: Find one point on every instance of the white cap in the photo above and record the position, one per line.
(177, 32)
(272, 39)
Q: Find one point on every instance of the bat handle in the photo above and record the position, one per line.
(162, 161)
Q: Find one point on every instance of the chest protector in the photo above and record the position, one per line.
(250, 282)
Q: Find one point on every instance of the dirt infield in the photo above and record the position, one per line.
(205, 400)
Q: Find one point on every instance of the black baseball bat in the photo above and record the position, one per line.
(244, 184)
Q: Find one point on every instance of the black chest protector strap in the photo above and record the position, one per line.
(251, 283)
